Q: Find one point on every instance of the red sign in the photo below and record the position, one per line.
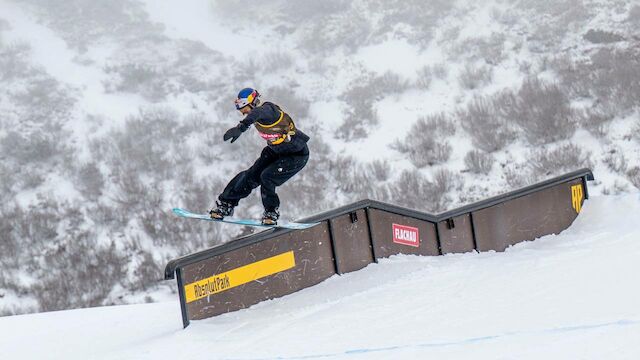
(406, 235)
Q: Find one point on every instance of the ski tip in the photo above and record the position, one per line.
(178, 211)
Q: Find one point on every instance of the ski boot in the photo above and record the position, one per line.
(223, 209)
(270, 217)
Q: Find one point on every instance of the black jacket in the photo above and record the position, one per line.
(268, 113)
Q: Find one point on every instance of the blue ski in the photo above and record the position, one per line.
(291, 225)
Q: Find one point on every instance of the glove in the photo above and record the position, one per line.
(233, 134)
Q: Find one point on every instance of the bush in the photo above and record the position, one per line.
(410, 19)
(479, 162)
(390, 83)
(151, 142)
(614, 77)
(634, 176)
(147, 274)
(82, 23)
(44, 101)
(425, 142)
(275, 61)
(475, 77)
(484, 120)
(347, 31)
(602, 37)
(90, 181)
(294, 103)
(517, 177)
(444, 181)
(380, 170)
(39, 146)
(543, 112)
(360, 114)
(424, 77)
(87, 282)
(634, 17)
(489, 49)
(616, 161)
(611, 77)
(156, 67)
(360, 98)
(414, 191)
(13, 62)
(565, 158)
(138, 78)
(595, 121)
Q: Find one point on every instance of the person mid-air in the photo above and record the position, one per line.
(284, 156)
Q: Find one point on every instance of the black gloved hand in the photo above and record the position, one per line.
(233, 134)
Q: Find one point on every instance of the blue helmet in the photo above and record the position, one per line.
(248, 96)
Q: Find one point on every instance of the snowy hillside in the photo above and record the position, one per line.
(111, 113)
(570, 296)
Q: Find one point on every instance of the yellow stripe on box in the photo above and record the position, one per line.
(238, 276)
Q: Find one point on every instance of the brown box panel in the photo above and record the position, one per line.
(352, 244)
(542, 213)
(382, 231)
(313, 264)
(456, 236)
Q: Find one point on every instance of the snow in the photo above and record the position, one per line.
(198, 20)
(572, 295)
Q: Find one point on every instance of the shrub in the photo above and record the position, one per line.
(83, 22)
(425, 142)
(414, 191)
(38, 147)
(616, 161)
(138, 78)
(380, 170)
(490, 49)
(543, 112)
(565, 158)
(424, 77)
(360, 98)
(390, 83)
(294, 103)
(601, 37)
(614, 76)
(347, 30)
(634, 16)
(360, 114)
(517, 177)
(484, 120)
(87, 282)
(439, 124)
(474, 77)
(440, 71)
(479, 162)
(275, 61)
(89, 180)
(444, 181)
(595, 121)
(410, 18)
(13, 62)
(147, 144)
(634, 176)
(147, 274)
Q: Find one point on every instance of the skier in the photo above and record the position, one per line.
(285, 155)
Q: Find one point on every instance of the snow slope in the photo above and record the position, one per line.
(573, 295)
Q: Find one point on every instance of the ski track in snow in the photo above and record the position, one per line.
(552, 331)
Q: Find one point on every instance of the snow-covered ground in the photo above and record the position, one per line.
(568, 296)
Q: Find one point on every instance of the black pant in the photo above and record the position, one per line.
(268, 172)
